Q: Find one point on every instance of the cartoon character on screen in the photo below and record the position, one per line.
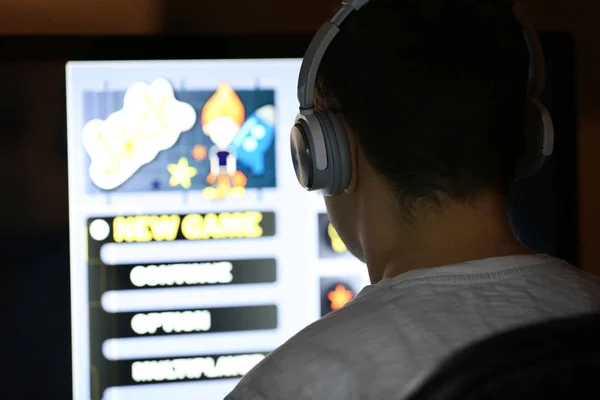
(237, 141)
(222, 117)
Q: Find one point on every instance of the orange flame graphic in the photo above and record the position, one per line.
(224, 103)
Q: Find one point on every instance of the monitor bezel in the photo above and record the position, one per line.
(560, 48)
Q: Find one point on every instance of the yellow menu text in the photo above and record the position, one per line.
(226, 225)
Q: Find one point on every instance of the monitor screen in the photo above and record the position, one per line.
(194, 251)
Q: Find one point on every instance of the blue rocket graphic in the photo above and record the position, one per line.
(255, 138)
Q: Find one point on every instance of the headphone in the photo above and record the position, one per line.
(319, 145)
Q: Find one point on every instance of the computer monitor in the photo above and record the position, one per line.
(194, 252)
(545, 207)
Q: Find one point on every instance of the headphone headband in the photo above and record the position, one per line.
(537, 65)
(323, 38)
(316, 50)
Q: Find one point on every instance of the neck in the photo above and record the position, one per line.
(456, 233)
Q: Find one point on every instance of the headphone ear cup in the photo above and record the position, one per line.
(338, 153)
(344, 163)
(332, 176)
(538, 141)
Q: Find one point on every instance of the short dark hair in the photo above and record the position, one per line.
(436, 91)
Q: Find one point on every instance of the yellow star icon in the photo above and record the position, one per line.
(181, 173)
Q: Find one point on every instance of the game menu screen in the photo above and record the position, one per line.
(194, 251)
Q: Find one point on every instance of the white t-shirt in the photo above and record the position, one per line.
(374, 346)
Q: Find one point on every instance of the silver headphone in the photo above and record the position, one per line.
(319, 145)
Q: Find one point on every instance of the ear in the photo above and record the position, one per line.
(353, 147)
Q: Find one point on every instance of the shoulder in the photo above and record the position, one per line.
(321, 361)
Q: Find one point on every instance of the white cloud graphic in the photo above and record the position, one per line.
(151, 121)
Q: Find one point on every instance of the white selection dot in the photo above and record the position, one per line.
(99, 230)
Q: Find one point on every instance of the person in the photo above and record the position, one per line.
(433, 97)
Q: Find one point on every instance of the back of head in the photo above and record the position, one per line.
(435, 91)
